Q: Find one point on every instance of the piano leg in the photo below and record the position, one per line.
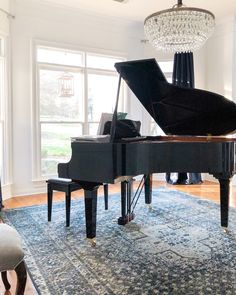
(224, 181)
(148, 188)
(224, 201)
(126, 194)
(105, 188)
(90, 199)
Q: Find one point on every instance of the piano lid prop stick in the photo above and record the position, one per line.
(114, 117)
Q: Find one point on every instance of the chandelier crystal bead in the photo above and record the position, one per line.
(180, 28)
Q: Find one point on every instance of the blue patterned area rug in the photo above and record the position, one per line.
(176, 248)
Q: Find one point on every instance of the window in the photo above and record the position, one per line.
(73, 89)
(167, 69)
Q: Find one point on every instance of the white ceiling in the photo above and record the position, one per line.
(138, 10)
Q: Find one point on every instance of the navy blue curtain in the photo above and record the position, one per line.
(183, 75)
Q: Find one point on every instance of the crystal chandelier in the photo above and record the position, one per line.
(180, 28)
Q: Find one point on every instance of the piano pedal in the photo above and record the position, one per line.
(92, 242)
(123, 220)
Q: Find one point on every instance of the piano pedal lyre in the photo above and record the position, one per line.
(123, 220)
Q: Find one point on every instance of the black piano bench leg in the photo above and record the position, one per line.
(49, 195)
(105, 188)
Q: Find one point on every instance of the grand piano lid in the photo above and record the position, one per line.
(177, 110)
(141, 76)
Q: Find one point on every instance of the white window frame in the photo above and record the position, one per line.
(5, 114)
(101, 72)
(36, 66)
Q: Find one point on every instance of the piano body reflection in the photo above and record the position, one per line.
(176, 110)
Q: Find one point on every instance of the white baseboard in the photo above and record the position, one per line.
(209, 177)
(6, 191)
(37, 188)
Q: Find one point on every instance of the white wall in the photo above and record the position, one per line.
(4, 4)
(4, 21)
(6, 105)
(221, 62)
(65, 26)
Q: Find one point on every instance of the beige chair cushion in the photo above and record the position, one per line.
(11, 252)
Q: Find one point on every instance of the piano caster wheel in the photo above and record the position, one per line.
(92, 242)
(226, 230)
(150, 208)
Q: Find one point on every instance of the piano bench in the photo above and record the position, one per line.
(62, 185)
(67, 186)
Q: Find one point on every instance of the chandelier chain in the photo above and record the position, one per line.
(180, 3)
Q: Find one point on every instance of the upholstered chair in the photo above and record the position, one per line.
(12, 258)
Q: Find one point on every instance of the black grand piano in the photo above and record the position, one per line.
(196, 123)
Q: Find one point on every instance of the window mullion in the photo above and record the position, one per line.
(86, 124)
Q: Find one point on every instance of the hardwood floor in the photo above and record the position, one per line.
(207, 190)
